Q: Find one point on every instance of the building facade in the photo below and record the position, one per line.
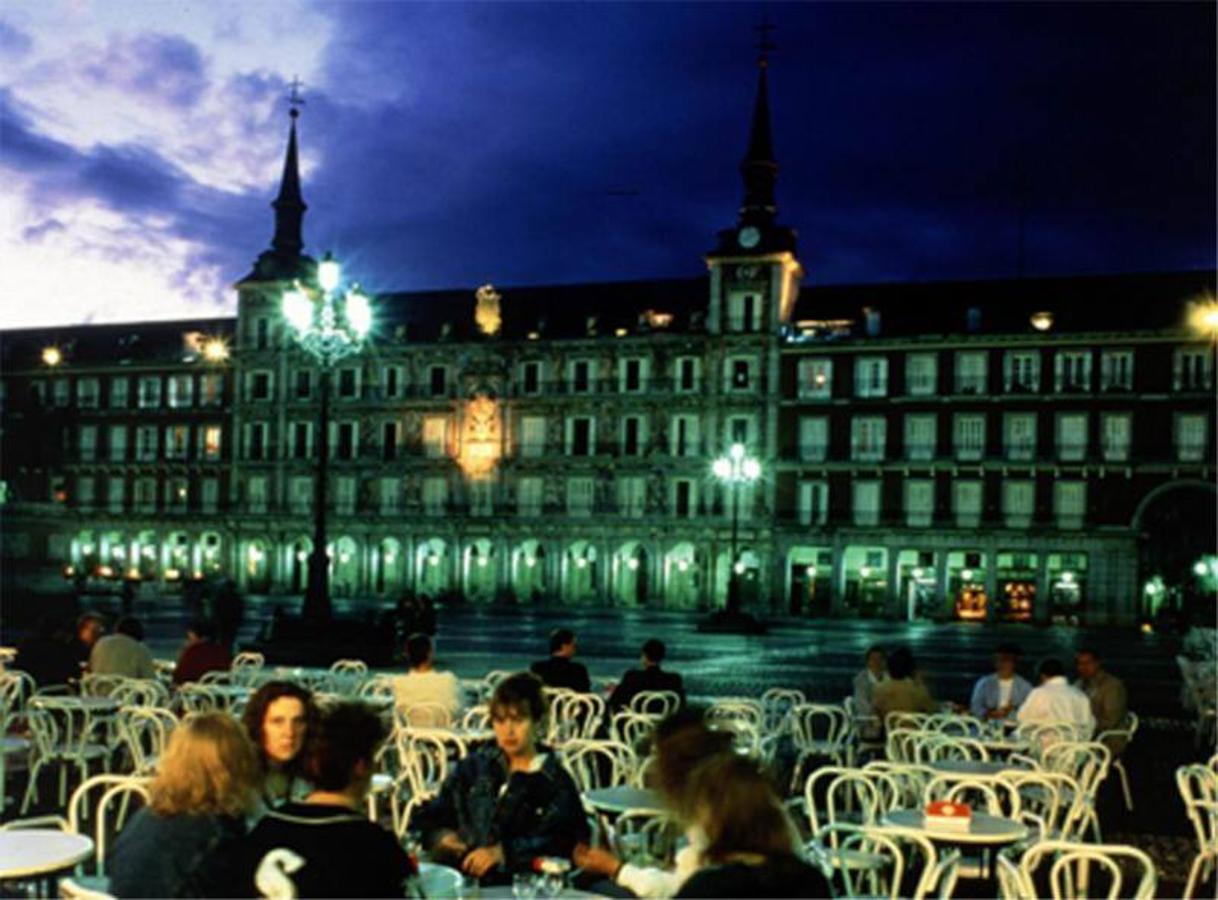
(1022, 450)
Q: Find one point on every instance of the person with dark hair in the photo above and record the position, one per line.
(508, 802)
(90, 627)
(752, 847)
(875, 670)
(903, 691)
(201, 654)
(325, 846)
(423, 684)
(123, 653)
(998, 695)
(560, 671)
(650, 677)
(681, 742)
(1106, 692)
(47, 656)
(1056, 702)
(279, 716)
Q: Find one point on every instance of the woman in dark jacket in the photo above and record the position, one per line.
(509, 802)
(184, 842)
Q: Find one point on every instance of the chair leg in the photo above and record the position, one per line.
(1194, 872)
(31, 789)
(1120, 767)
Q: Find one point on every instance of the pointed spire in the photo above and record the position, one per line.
(758, 168)
(289, 205)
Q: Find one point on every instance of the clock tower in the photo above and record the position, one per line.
(754, 270)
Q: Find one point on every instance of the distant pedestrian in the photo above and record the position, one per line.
(560, 671)
(650, 677)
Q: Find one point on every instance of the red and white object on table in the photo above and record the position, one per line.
(944, 815)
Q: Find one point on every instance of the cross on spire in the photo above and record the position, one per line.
(294, 99)
(764, 44)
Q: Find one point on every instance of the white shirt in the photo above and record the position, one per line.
(661, 883)
(415, 688)
(1005, 686)
(1057, 701)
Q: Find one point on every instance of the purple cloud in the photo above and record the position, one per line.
(162, 67)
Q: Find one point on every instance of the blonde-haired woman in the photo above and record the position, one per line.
(183, 844)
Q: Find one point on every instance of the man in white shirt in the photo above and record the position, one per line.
(433, 696)
(1056, 701)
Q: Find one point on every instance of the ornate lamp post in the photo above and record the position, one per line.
(733, 470)
(329, 324)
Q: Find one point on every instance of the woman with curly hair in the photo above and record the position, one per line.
(186, 841)
(278, 717)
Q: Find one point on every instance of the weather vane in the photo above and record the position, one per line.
(294, 99)
(764, 44)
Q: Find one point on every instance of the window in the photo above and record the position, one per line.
(969, 436)
(150, 392)
(684, 436)
(211, 389)
(739, 375)
(581, 376)
(1192, 370)
(1116, 370)
(145, 443)
(210, 437)
(1018, 503)
(255, 494)
(482, 497)
(118, 443)
(919, 502)
(209, 495)
(579, 496)
(741, 430)
(813, 508)
(966, 503)
(347, 437)
(435, 496)
(304, 384)
(813, 438)
(1072, 371)
(348, 383)
(684, 505)
(972, 369)
(579, 436)
(634, 435)
(119, 390)
(116, 488)
(1021, 372)
(259, 385)
(86, 492)
(1019, 436)
(531, 378)
(1071, 436)
(814, 379)
(301, 493)
(88, 443)
(921, 436)
(87, 393)
(391, 382)
(921, 374)
(177, 441)
(262, 334)
(871, 376)
(437, 379)
(529, 497)
(255, 440)
(181, 391)
(61, 391)
(389, 440)
(1191, 437)
(1116, 430)
(631, 375)
(302, 440)
(435, 436)
(1069, 503)
(177, 494)
(145, 495)
(632, 497)
(533, 436)
(866, 503)
(344, 495)
(687, 374)
(743, 312)
(867, 437)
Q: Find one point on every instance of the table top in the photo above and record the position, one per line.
(983, 828)
(971, 766)
(37, 851)
(623, 797)
(92, 704)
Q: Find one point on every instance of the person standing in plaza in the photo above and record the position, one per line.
(560, 670)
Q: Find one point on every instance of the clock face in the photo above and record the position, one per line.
(748, 237)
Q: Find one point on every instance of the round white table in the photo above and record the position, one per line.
(34, 852)
(971, 766)
(623, 797)
(983, 828)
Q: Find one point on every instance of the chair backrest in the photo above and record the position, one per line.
(346, 676)
(952, 724)
(598, 764)
(998, 797)
(644, 837)
(1071, 866)
(831, 791)
(914, 720)
(1052, 799)
(16, 689)
(901, 743)
(116, 800)
(1040, 736)
(424, 756)
(1085, 761)
(939, 746)
(912, 778)
(864, 727)
(1198, 786)
(376, 686)
(821, 726)
(659, 704)
(889, 790)
(491, 680)
(776, 704)
(835, 844)
(744, 709)
(575, 715)
(141, 692)
(59, 726)
(644, 774)
(424, 715)
(200, 698)
(100, 685)
(746, 735)
(144, 731)
(91, 802)
(247, 659)
(631, 728)
(476, 718)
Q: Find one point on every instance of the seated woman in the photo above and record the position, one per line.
(186, 841)
(509, 802)
(904, 690)
(278, 717)
(752, 846)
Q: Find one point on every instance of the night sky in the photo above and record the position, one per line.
(449, 145)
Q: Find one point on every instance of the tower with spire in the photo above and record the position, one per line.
(754, 270)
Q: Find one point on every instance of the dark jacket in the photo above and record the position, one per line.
(784, 876)
(536, 814)
(560, 672)
(50, 660)
(200, 658)
(636, 681)
(177, 856)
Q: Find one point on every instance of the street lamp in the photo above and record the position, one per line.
(329, 324)
(733, 470)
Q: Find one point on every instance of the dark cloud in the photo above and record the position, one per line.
(161, 67)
